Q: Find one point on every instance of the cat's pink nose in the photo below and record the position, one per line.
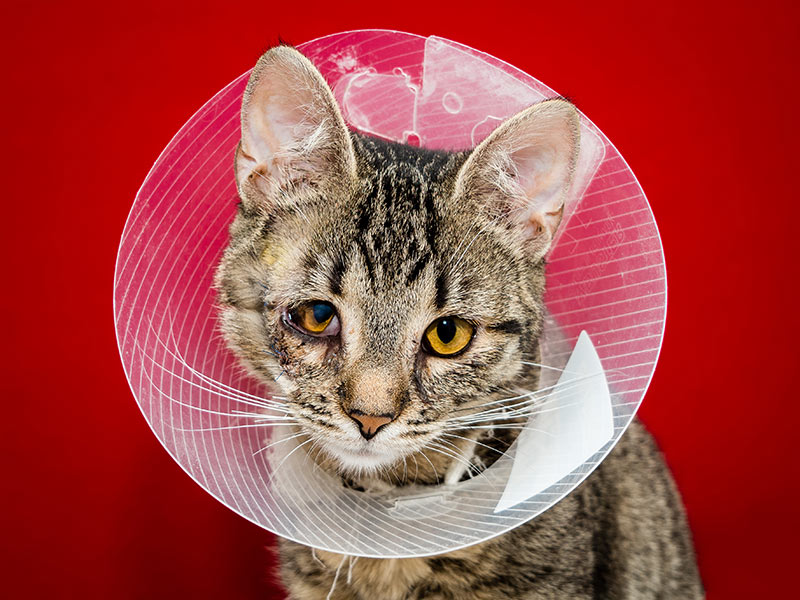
(370, 424)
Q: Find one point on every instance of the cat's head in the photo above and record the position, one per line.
(386, 289)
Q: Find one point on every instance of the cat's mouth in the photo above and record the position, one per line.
(361, 457)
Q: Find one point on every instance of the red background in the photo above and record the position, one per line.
(700, 98)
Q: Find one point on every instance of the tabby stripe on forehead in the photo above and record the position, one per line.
(418, 266)
(310, 262)
(362, 245)
(362, 225)
(432, 221)
(441, 290)
(431, 231)
(336, 274)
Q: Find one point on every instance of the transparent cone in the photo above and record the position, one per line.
(605, 274)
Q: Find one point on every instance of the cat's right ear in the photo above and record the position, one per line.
(521, 173)
(293, 133)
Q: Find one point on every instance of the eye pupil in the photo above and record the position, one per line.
(446, 330)
(321, 312)
(447, 336)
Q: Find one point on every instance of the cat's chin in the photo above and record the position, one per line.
(360, 460)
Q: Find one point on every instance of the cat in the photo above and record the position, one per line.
(396, 287)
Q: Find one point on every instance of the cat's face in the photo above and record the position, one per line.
(386, 289)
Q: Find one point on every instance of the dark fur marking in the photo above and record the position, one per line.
(336, 274)
(423, 395)
(411, 249)
(432, 223)
(310, 263)
(444, 563)
(602, 575)
(418, 266)
(441, 290)
(510, 327)
(412, 433)
(317, 409)
(362, 225)
(362, 246)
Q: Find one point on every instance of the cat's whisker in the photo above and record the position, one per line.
(228, 427)
(458, 248)
(502, 401)
(521, 412)
(452, 476)
(309, 452)
(444, 451)
(435, 473)
(506, 426)
(237, 412)
(275, 443)
(285, 458)
(472, 469)
(532, 398)
(461, 437)
(506, 410)
(531, 412)
(314, 556)
(208, 410)
(316, 445)
(416, 468)
(261, 403)
(229, 391)
(225, 390)
(563, 370)
(353, 560)
(320, 450)
(543, 366)
(457, 453)
(263, 406)
(335, 578)
(565, 355)
(389, 472)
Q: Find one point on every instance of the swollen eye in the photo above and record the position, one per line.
(315, 318)
(447, 336)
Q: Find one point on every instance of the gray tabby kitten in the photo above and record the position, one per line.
(398, 287)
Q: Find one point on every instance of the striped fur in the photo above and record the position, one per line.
(395, 237)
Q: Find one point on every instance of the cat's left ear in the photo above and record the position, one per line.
(292, 130)
(523, 170)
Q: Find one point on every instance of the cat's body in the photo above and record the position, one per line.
(620, 534)
(393, 292)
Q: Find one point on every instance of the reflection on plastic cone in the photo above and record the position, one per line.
(605, 277)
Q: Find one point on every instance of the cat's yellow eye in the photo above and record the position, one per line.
(315, 318)
(448, 336)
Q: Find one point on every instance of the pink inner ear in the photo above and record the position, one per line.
(542, 172)
(542, 168)
(543, 224)
(275, 123)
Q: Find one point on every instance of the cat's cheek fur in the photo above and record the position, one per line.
(243, 329)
